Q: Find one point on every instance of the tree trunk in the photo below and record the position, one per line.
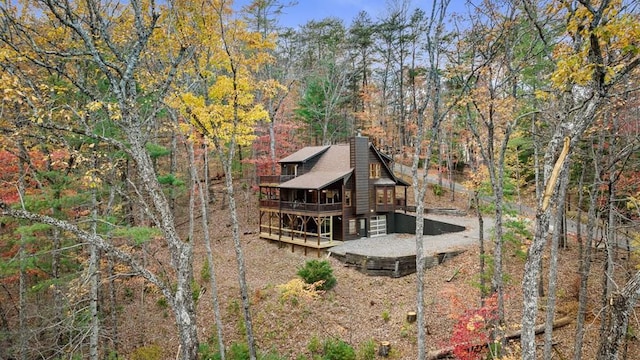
(235, 228)
(580, 103)
(173, 168)
(497, 283)
(619, 308)
(181, 300)
(113, 304)
(93, 272)
(532, 268)
(22, 301)
(204, 208)
(272, 145)
(529, 288)
(483, 280)
(610, 248)
(585, 247)
(22, 258)
(553, 271)
(123, 86)
(57, 294)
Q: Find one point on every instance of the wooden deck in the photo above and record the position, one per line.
(309, 243)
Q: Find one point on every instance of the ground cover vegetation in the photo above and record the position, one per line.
(132, 135)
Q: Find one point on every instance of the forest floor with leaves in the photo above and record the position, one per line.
(359, 309)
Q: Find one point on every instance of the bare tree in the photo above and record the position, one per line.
(118, 61)
(424, 141)
(581, 95)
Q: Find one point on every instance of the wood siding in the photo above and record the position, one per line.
(359, 161)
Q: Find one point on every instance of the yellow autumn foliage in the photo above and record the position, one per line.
(615, 33)
(226, 57)
(297, 289)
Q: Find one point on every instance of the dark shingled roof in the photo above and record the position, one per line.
(315, 180)
(304, 154)
(331, 167)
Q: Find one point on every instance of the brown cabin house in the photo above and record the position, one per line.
(329, 194)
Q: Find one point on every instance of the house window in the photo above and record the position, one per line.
(290, 169)
(374, 171)
(389, 196)
(380, 196)
(352, 227)
(347, 198)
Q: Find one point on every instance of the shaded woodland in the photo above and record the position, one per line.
(133, 134)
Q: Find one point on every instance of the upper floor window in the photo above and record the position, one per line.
(347, 198)
(290, 169)
(374, 171)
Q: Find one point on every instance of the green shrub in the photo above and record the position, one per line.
(238, 351)
(314, 271)
(336, 349)
(386, 316)
(314, 345)
(208, 352)
(438, 190)
(162, 303)
(273, 355)
(205, 273)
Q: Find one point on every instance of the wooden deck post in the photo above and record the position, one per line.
(319, 226)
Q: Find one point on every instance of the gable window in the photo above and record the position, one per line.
(347, 198)
(374, 171)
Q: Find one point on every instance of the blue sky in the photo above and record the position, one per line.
(319, 9)
(347, 10)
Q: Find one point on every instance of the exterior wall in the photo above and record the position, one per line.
(406, 224)
(391, 223)
(363, 195)
(359, 150)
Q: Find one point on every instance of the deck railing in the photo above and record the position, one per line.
(275, 179)
(300, 206)
(400, 204)
(270, 204)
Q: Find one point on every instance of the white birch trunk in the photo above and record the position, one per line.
(204, 208)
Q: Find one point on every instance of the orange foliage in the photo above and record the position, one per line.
(37, 161)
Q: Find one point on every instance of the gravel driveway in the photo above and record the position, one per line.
(397, 245)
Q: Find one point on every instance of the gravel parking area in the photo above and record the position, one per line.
(397, 245)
